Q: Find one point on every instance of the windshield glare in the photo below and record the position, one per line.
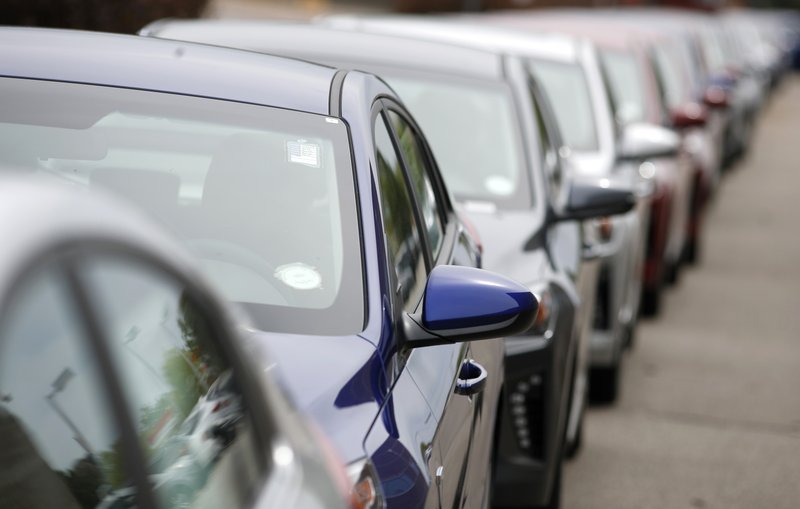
(264, 197)
(568, 91)
(472, 132)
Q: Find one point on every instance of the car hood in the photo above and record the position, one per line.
(504, 235)
(338, 382)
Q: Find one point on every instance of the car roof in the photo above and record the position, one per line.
(328, 42)
(466, 31)
(165, 66)
(599, 29)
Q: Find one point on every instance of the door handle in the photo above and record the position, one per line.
(471, 379)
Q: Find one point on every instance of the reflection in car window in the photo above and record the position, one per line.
(195, 432)
(419, 171)
(59, 445)
(402, 235)
(625, 79)
(568, 91)
(263, 196)
(473, 134)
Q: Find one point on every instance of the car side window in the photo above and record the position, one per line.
(400, 226)
(420, 173)
(59, 442)
(548, 153)
(187, 407)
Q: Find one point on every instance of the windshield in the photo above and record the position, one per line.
(264, 197)
(625, 79)
(568, 91)
(473, 133)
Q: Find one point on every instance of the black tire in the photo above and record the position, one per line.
(630, 336)
(651, 301)
(673, 272)
(604, 384)
(572, 448)
(555, 493)
(691, 254)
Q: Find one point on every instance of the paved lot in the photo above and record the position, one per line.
(710, 409)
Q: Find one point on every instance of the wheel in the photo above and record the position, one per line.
(651, 301)
(630, 337)
(673, 271)
(604, 387)
(572, 448)
(691, 253)
(555, 493)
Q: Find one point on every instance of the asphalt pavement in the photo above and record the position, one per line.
(709, 414)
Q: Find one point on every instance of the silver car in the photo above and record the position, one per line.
(597, 148)
(109, 337)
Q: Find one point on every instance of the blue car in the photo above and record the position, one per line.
(311, 199)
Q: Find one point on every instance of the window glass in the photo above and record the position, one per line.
(568, 91)
(189, 412)
(625, 78)
(474, 135)
(667, 62)
(419, 171)
(663, 105)
(59, 444)
(402, 235)
(263, 196)
(548, 157)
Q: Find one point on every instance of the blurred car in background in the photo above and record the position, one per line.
(311, 199)
(87, 405)
(577, 88)
(478, 105)
(637, 98)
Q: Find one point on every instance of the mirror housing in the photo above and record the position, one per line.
(589, 201)
(641, 141)
(466, 304)
(690, 114)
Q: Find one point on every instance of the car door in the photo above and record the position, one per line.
(118, 391)
(437, 370)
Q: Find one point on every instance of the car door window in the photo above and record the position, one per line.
(59, 444)
(547, 149)
(420, 172)
(187, 406)
(399, 220)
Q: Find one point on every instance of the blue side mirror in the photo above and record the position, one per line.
(465, 304)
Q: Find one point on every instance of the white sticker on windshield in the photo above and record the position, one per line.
(303, 152)
(299, 276)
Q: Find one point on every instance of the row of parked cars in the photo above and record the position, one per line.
(392, 278)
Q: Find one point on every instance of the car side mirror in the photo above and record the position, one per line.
(641, 141)
(589, 201)
(690, 114)
(466, 304)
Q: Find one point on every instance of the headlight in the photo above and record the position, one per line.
(366, 491)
